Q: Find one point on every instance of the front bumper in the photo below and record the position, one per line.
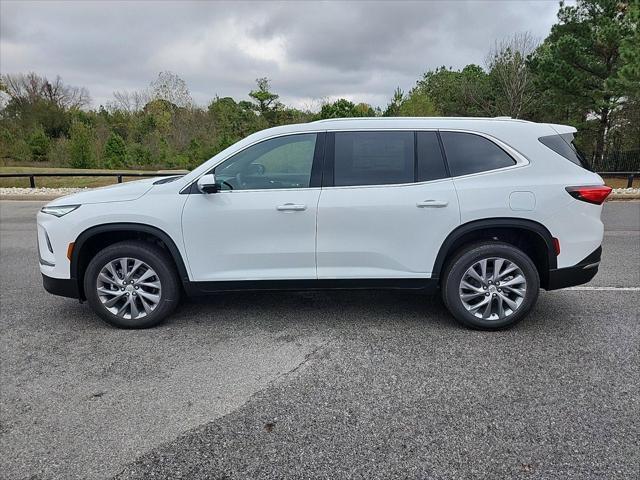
(64, 287)
(580, 273)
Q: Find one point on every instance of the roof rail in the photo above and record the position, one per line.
(418, 118)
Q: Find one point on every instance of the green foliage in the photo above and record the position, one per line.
(267, 103)
(59, 152)
(464, 93)
(365, 110)
(393, 108)
(196, 153)
(13, 147)
(80, 146)
(138, 155)
(54, 120)
(343, 108)
(233, 121)
(38, 142)
(630, 51)
(115, 152)
(417, 104)
(579, 63)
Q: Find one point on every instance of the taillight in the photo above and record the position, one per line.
(593, 194)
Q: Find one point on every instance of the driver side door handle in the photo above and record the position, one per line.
(291, 207)
(432, 204)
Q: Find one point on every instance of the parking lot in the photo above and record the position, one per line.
(321, 385)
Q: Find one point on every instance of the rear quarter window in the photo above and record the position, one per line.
(470, 153)
(563, 145)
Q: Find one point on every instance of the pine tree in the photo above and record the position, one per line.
(81, 145)
(115, 152)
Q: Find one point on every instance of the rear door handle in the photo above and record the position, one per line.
(432, 204)
(291, 207)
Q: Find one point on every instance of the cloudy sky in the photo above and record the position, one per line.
(310, 50)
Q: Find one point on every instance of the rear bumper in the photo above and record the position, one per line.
(580, 273)
(64, 287)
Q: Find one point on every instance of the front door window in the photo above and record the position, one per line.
(277, 163)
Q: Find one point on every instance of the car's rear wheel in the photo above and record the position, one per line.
(132, 284)
(490, 285)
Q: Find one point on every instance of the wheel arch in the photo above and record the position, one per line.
(530, 236)
(97, 237)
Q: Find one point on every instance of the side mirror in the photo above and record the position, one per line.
(207, 183)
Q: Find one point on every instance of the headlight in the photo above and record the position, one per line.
(59, 210)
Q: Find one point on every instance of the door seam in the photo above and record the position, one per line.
(316, 233)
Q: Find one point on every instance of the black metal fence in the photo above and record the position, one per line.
(629, 175)
(118, 175)
(618, 161)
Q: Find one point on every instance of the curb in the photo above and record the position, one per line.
(30, 198)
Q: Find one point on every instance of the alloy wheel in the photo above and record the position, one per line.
(129, 288)
(493, 288)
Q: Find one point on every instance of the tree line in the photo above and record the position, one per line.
(586, 73)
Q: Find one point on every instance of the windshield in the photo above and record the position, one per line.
(563, 145)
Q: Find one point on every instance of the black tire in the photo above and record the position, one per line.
(464, 259)
(155, 258)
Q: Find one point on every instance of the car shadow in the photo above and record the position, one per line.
(331, 307)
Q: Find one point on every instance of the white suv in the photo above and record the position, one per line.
(485, 210)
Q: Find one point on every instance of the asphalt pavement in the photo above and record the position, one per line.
(321, 385)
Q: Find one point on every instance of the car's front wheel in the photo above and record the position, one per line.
(132, 284)
(490, 285)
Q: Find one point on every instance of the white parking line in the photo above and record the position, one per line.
(607, 289)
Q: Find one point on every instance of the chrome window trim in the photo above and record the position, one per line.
(520, 159)
(391, 185)
(303, 189)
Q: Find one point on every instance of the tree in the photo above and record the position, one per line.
(365, 110)
(466, 93)
(580, 62)
(232, 120)
(170, 88)
(287, 116)
(80, 145)
(417, 104)
(115, 152)
(510, 74)
(343, 108)
(129, 102)
(32, 88)
(33, 102)
(393, 108)
(630, 52)
(267, 103)
(38, 144)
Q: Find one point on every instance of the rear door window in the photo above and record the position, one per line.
(469, 153)
(373, 158)
(430, 162)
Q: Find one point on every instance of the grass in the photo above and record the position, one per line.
(64, 182)
(621, 182)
